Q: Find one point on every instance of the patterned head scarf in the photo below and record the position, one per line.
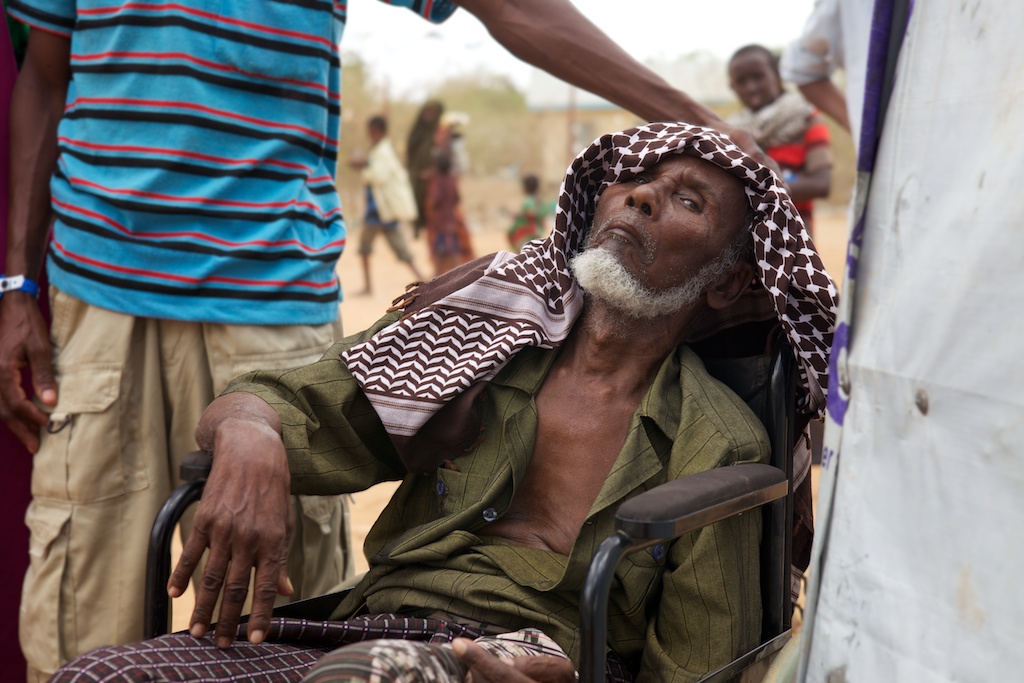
(411, 369)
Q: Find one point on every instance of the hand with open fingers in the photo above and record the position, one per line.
(244, 520)
(486, 668)
(24, 342)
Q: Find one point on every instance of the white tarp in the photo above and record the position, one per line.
(922, 575)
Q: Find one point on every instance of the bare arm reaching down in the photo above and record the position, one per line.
(555, 36)
(825, 96)
(36, 108)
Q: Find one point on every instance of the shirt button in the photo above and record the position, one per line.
(440, 488)
(490, 514)
(658, 552)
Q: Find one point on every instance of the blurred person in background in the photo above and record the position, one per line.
(530, 222)
(789, 129)
(447, 235)
(389, 200)
(447, 232)
(450, 140)
(419, 155)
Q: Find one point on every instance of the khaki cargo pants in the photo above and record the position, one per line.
(130, 392)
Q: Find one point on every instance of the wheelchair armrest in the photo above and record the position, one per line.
(678, 507)
(673, 509)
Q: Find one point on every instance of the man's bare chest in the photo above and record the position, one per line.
(578, 440)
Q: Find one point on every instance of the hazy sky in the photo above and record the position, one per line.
(412, 53)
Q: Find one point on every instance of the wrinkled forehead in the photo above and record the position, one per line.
(690, 171)
(688, 168)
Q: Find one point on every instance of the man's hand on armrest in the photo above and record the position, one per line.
(243, 519)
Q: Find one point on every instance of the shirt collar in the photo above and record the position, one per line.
(660, 406)
(527, 369)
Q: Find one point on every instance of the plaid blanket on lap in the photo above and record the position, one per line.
(291, 649)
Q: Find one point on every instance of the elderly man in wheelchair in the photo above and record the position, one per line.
(520, 400)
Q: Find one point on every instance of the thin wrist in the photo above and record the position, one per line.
(251, 443)
(253, 426)
(247, 422)
(231, 411)
(19, 294)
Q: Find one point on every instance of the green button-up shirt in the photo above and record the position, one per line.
(675, 612)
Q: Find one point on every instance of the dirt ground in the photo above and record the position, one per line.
(389, 277)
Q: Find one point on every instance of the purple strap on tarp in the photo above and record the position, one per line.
(888, 26)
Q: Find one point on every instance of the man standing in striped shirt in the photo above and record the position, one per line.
(184, 154)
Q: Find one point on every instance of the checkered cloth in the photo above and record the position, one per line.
(414, 367)
(403, 661)
(293, 646)
(783, 122)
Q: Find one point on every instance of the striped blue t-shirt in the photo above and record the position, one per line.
(197, 154)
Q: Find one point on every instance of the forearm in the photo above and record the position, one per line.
(826, 96)
(811, 184)
(36, 108)
(334, 441)
(554, 36)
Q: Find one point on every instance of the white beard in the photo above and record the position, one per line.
(602, 276)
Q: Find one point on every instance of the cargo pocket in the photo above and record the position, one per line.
(84, 438)
(317, 558)
(322, 511)
(41, 614)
